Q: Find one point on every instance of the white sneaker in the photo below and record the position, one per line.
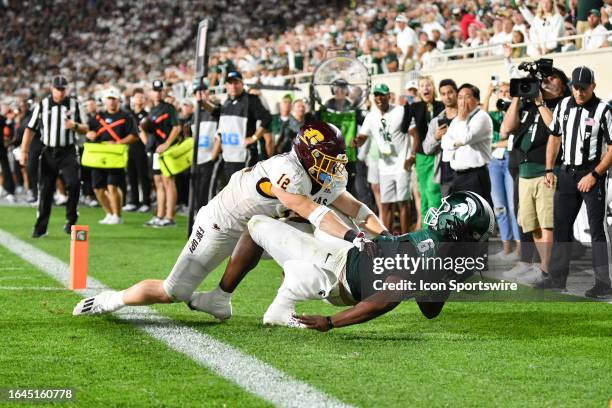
(129, 207)
(11, 198)
(106, 219)
(114, 220)
(214, 303)
(144, 209)
(100, 304)
(61, 199)
(93, 204)
(519, 269)
(153, 222)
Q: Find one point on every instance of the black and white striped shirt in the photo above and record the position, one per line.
(48, 118)
(584, 130)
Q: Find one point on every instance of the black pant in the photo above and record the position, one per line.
(138, 174)
(362, 187)
(34, 164)
(8, 183)
(53, 161)
(476, 180)
(567, 203)
(205, 178)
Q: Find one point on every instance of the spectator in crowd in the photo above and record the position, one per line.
(528, 122)
(8, 184)
(138, 171)
(383, 126)
(238, 128)
(582, 178)
(291, 126)
(502, 185)
(115, 126)
(547, 27)
(437, 128)
(583, 9)
(416, 120)
(207, 165)
(280, 119)
(518, 38)
(340, 91)
(597, 35)
(407, 42)
(467, 144)
(161, 129)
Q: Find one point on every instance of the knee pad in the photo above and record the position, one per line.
(185, 277)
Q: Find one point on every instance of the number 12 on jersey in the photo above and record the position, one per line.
(283, 181)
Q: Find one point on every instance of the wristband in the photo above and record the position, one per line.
(350, 236)
(548, 171)
(596, 175)
(330, 325)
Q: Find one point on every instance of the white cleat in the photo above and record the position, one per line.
(106, 219)
(212, 303)
(96, 305)
(279, 316)
(114, 220)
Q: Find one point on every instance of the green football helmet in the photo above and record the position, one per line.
(463, 216)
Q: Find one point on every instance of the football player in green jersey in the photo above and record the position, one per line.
(340, 274)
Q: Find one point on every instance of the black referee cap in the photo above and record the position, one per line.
(233, 75)
(60, 82)
(583, 77)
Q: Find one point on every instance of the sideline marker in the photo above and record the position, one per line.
(79, 248)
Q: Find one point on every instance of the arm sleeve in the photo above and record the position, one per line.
(555, 124)
(476, 130)
(93, 124)
(407, 119)
(132, 128)
(606, 125)
(430, 144)
(173, 116)
(257, 111)
(284, 175)
(34, 122)
(79, 116)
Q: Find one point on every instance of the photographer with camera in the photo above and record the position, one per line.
(502, 185)
(581, 126)
(527, 119)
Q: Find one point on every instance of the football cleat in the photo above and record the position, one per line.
(213, 303)
(280, 316)
(96, 305)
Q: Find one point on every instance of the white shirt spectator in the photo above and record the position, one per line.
(545, 31)
(595, 38)
(405, 39)
(393, 145)
(474, 139)
(499, 39)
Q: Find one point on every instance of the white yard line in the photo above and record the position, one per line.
(36, 288)
(248, 372)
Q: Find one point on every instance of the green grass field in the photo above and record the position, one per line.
(473, 354)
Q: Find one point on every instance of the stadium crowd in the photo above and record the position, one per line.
(126, 43)
(405, 153)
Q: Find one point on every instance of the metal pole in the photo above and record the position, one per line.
(201, 60)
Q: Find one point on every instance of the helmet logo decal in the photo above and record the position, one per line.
(313, 136)
(464, 210)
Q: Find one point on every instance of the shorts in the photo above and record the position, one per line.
(535, 204)
(100, 178)
(395, 188)
(373, 172)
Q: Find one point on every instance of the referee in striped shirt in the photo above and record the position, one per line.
(58, 118)
(580, 128)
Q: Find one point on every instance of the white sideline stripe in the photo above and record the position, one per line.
(248, 372)
(36, 288)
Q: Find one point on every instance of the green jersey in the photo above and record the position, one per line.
(360, 266)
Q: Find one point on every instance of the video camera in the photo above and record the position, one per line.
(529, 87)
